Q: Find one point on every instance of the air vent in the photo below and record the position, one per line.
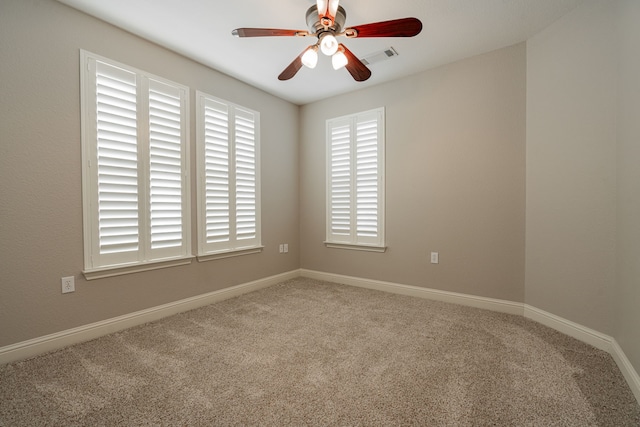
(383, 55)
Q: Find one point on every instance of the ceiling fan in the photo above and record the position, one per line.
(326, 22)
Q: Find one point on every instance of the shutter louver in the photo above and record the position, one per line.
(245, 156)
(165, 167)
(367, 178)
(341, 181)
(217, 179)
(117, 160)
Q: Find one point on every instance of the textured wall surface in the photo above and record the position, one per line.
(627, 308)
(40, 170)
(455, 156)
(583, 184)
(571, 167)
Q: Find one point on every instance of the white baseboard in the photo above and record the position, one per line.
(629, 373)
(567, 327)
(574, 330)
(598, 340)
(36, 346)
(47, 343)
(416, 291)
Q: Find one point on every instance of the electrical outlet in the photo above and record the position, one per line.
(281, 248)
(286, 248)
(68, 284)
(434, 258)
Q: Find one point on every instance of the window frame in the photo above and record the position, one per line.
(353, 241)
(211, 251)
(97, 265)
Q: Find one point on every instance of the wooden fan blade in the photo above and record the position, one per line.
(293, 68)
(356, 68)
(405, 27)
(267, 32)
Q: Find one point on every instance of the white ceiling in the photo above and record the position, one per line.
(201, 30)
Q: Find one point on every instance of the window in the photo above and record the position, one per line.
(228, 179)
(355, 181)
(135, 169)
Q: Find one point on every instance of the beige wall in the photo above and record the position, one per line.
(627, 302)
(40, 190)
(583, 179)
(455, 157)
(571, 167)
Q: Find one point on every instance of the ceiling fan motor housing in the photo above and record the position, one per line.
(315, 26)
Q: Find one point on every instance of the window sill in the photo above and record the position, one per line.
(100, 273)
(229, 253)
(353, 247)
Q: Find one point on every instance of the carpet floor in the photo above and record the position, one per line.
(306, 352)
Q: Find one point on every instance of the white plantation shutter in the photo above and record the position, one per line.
(217, 179)
(367, 179)
(165, 166)
(340, 176)
(245, 150)
(135, 166)
(228, 147)
(117, 163)
(355, 179)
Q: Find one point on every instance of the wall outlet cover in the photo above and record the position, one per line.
(68, 284)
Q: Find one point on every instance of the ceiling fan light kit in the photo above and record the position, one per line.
(328, 44)
(339, 60)
(326, 22)
(310, 57)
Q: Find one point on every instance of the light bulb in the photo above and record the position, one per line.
(310, 57)
(329, 44)
(339, 60)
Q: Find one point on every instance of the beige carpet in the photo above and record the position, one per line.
(306, 352)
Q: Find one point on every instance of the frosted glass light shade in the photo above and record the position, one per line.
(310, 57)
(339, 60)
(329, 45)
